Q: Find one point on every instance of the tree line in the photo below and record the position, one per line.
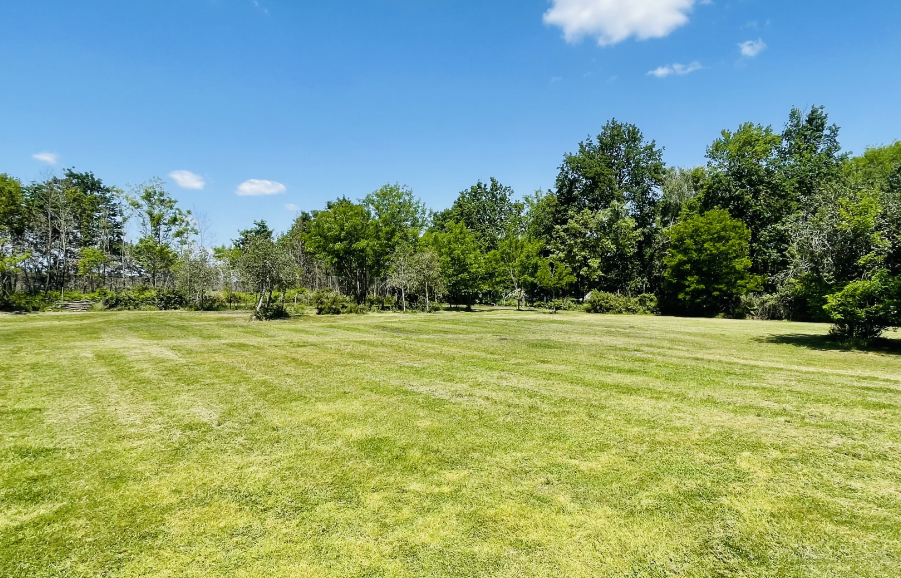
(778, 224)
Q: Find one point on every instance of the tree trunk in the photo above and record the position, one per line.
(259, 303)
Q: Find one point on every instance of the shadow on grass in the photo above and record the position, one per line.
(829, 343)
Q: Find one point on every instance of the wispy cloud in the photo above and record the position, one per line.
(46, 158)
(752, 48)
(292, 207)
(188, 180)
(676, 68)
(612, 21)
(259, 188)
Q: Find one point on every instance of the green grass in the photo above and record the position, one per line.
(457, 444)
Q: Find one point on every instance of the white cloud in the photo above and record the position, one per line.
(677, 69)
(292, 207)
(48, 158)
(259, 187)
(188, 180)
(752, 48)
(612, 21)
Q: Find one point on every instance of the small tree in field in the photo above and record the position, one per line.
(864, 309)
(427, 275)
(265, 266)
(708, 264)
(401, 272)
(554, 278)
(196, 273)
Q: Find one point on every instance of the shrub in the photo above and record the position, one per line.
(167, 299)
(330, 302)
(562, 305)
(270, 312)
(131, 298)
(144, 298)
(600, 302)
(864, 309)
(380, 302)
(24, 302)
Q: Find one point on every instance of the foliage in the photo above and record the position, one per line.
(381, 302)
(164, 227)
(340, 236)
(402, 272)
(707, 265)
(265, 266)
(599, 248)
(601, 302)
(865, 308)
(553, 277)
(618, 221)
(168, 299)
(679, 193)
(516, 263)
(460, 261)
(13, 220)
(619, 166)
(428, 281)
(196, 274)
(130, 299)
(398, 218)
(271, 312)
(837, 239)
(486, 209)
(330, 302)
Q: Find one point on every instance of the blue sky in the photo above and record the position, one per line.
(309, 101)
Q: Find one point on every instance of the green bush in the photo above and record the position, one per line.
(600, 302)
(23, 302)
(168, 299)
(566, 304)
(270, 312)
(145, 298)
(330, 302)
(129, 299)
(381, 302)
(864, 309)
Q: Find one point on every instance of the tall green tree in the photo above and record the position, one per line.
(264, 267)
(461, 260)
(516, 262)
(679, 192)
(744, 177)
(164, 227)
(601, 250)
(708, 264)
(486, 209)
(837, 240)
(13, 218)
(398, 218)
(619, 166)
(810, 155)
(342, 238)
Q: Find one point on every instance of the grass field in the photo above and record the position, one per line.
(481, 444)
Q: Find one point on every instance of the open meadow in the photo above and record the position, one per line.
(495, 443)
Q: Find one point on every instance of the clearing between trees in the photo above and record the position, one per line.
(495, 443)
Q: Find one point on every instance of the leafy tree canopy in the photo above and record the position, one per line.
(486, 209)
(708, 264)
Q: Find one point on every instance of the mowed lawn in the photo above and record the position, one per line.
(496, 443)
